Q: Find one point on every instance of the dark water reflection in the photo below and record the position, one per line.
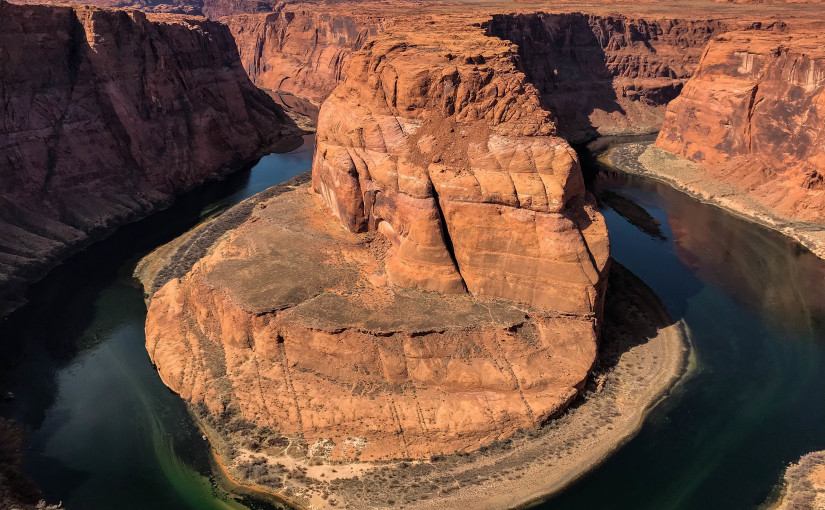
(755, 305)
(105, 432)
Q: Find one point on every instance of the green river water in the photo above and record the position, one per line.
(105, 433)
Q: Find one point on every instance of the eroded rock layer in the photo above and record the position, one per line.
(106, 115)
(291, 322)
(607, 74)
(447, 152)
(300, 49)
(460, 301)
(597, 73)
(752, 115)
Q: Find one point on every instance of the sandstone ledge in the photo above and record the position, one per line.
(642, 356)
(649, 161)
(288, 321)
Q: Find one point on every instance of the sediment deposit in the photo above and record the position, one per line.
(106, 115)
(804, 484)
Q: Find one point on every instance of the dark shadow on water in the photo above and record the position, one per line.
(753, 303)
(96, 413)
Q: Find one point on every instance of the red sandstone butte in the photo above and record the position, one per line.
(441, 287)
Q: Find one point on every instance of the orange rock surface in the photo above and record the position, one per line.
(300, 49)
(602, 73)
(290, 321)
(752, 116)
(452, 158)
(460, 301)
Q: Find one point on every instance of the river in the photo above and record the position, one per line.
(105, 433)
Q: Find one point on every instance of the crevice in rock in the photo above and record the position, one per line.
(445, 235)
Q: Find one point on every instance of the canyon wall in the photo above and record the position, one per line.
(105, 116)
(752, 116)
(441, 288)
(301, 49)
(446, 150)
(211, 8)
(598, 74)
(608, 74)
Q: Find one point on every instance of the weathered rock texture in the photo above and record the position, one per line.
(300, 49)
(610, 74)
(804, 484)
(752, 116)
(105, 116)
(211, 8)
(447, 152)
(460, 302)
(289, 321)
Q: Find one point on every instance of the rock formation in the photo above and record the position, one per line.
(452, 297)
(454, 161)
(804, 484)
(598, 74)
(105, 116)
(606, 74)
(300, 49)
(751, 117)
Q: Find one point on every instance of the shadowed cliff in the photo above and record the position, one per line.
(106, 115)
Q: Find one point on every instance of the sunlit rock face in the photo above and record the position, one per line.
(752, 115)
(301, 49)
(447, 152)
(439, 286)
(607, 74)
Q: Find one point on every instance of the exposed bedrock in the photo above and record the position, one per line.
(301, 49)
(752, 115)
(446, 151)
(598, 74)
(105, 116)
(452, 297)
(288, 322)
(603, 75)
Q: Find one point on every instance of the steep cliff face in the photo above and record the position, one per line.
(607, 74)
(447, 152)
(460, 301)
(300, 49)
(106, 115)
(752, 115)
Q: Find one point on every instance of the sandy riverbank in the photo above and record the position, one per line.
(645, 159)
(804, 484)
(642, 355)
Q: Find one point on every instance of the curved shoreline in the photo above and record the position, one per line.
(646, 160)
(803, 484)
(633, 377)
